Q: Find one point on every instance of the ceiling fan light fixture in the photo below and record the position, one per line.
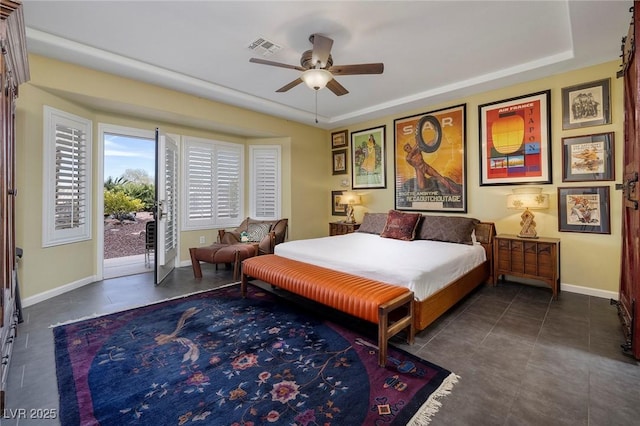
(316, 78)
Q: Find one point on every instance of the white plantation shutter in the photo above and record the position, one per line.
(228, 169)
(265, 182)
(67, 174)
(213, 183)
(171, 202)
(199, 183)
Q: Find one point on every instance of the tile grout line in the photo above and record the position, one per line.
(544, 318)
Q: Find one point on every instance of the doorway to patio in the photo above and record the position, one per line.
(129, 198)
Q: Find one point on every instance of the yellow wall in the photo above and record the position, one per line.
(44, 271)
(591, 261)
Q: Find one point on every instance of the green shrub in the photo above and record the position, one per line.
(144, 192)
(116, 184)
(120, 205)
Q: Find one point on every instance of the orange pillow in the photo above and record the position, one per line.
(401, 226)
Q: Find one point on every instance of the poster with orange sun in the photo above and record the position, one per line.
(515, 140)
(430, 163)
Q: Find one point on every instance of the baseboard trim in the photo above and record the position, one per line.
(588, 291)
(45, 295)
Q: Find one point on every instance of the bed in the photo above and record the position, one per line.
(444, 259)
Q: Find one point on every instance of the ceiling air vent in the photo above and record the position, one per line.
(264, 47)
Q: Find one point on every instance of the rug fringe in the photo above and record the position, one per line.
(432, 404)
(181, 296)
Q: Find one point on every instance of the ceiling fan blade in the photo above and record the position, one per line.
(376, 68)
(336, 87)
(275, 64)
(321, 49)
(291, 85)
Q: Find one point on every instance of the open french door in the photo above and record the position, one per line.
(166, 212)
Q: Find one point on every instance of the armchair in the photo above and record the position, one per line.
(267, 233)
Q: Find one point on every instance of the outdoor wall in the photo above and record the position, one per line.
(590, 262)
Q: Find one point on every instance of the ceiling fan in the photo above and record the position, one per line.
(318, 70)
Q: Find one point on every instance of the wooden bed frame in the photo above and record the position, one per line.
(428, 310)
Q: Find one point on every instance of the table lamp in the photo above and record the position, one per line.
(528, 199)
(350, 199)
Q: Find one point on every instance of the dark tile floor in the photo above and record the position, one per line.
(522, 358)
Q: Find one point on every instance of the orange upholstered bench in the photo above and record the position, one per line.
(364, 298)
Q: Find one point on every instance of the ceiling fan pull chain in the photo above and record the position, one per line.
(316, 106)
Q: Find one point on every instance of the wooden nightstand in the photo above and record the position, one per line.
(537, 259)
(341, 228)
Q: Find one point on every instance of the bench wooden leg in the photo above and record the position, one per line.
(243, 285)
(387, 330)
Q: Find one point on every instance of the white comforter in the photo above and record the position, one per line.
(421, 265)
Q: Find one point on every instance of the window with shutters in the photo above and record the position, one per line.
(67, 178)
(264, 186)
(213, 183)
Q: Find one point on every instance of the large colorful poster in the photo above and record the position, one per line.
(430, 152)
(515, 140)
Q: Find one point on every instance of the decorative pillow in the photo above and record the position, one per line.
(257, 231)
(373, 223)
(401, 226)
(450, 229)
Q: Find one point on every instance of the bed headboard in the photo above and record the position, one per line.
(485, 231)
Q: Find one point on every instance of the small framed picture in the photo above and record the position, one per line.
(368, 154)
(586, 105)
(337, 209)
(339, 139)
(584, 209)
(588, 158)
(339, 159)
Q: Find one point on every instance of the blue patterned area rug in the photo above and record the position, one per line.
(214, 358)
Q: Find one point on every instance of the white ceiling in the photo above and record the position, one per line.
(433, 51)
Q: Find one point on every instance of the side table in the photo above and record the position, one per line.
(537, 259)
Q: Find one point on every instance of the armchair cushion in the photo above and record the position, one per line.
(257, 231)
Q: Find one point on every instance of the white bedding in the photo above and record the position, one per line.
(423, 266)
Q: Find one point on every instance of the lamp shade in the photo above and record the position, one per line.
(316, 78)
(350, 198)
(528, 198)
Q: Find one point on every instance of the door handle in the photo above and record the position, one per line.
(159, 211)
(630, 190)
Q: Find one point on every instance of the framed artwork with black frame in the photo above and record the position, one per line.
(339, 162)
(588, 158)
(515, 140)
(339, 139)
(431, 161)
(586, 104)
(584, 209)
(337, 209)
(368, 158)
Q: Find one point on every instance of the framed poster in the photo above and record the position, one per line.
(368, 154)
(337, 209)
(339, 139)
(430, 161)
(586, 105)
(587, 158)
(515, 140)
(339, 162)
(584, 209)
